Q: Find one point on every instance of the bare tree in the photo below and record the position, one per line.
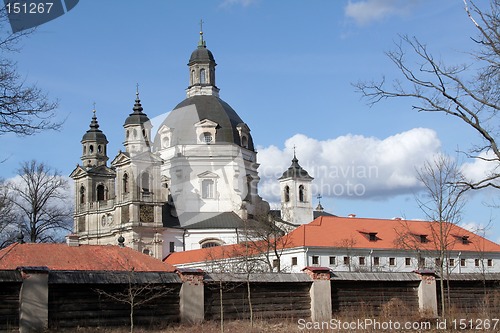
(40, 196)
(267, 239)
(469, 92)
(24, 109)
(348, 245)
(136, 293)
(7, 217)
(442, 204)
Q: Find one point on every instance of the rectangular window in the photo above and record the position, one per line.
(392, 261)
(275, 263)
(376, 261)
(172, 247)
(315, 260)
(437, 262)
(332, 260)
(490, 262)
(294, 261)
(451, 262)
(421, 262)
(362, 261)
(476, 262)
(347, 261)
(407, 261)
(462, 262)
(207, 189)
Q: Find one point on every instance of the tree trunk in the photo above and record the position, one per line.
(249, 296)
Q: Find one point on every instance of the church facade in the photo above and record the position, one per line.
(192, 185)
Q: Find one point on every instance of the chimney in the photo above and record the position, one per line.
(351, 215)
(72, 240)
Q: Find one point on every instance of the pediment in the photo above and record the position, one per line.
(165, 129)
(120, 159)
(206, 123)
(208, 174)
(78, 172)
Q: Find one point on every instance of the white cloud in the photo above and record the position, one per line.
(352, 166)
(480, 168)
(368, 11)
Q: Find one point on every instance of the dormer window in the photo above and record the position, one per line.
(370, 235)
(205, 131)
(465, 240)
(423, 238)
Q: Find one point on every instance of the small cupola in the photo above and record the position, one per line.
(202, 70)
(137, 128)
(94, 144)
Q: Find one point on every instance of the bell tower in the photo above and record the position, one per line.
(137, 129)
(94, 145)
(296, 196)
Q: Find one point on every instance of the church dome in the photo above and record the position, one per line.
(94, 133)
(197, 108)
(201, 54)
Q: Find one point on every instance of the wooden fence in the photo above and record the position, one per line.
(272, 296)
(81, 299)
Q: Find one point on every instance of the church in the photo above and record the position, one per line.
(191, 185)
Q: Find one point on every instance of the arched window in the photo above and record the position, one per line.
(301, 193)
(99, 149)
(202, 76)
(100, 192)
(192, 77)
(82, 194)
(127, 134)
(125, 183)
(84, 150)
(207, 189)
(145, 182)
(287, 193)
(210, 242)
(91, 149)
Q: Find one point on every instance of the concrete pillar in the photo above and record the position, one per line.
(34, 300)
(320, 292)
(427, 295)
(192, 295)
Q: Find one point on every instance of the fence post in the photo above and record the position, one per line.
(320, 292)
(191, 303)
(427, 295)
(34, 299)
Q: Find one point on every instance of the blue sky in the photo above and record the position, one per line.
(287, 68)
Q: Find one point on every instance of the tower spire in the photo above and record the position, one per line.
(201, 43)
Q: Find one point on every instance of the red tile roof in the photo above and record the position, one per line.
(353, 232)
(79, 258)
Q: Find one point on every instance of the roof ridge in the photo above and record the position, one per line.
(12, 246)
